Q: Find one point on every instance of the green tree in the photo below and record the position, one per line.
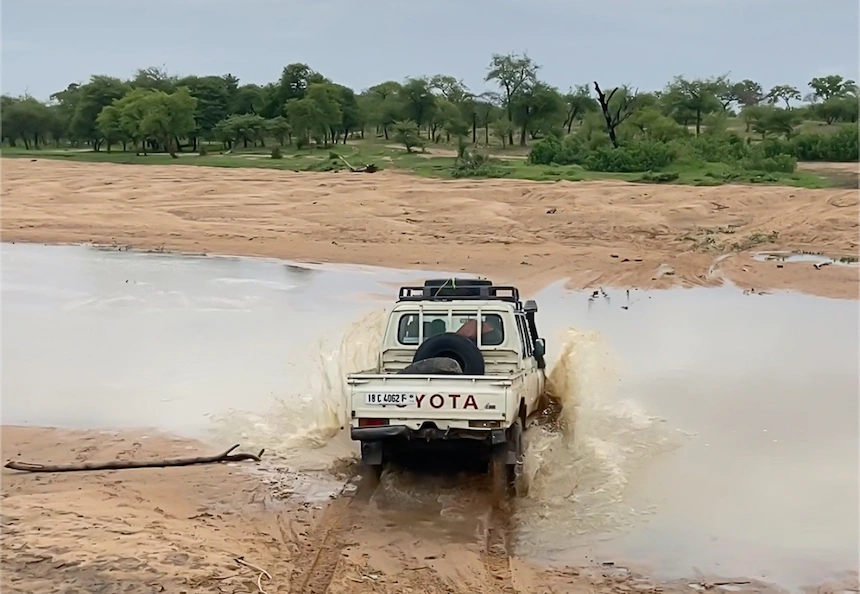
(784, 93)
(94, 96)
(293, 85)
(317, 114)
(132, 109)
(511, 72)
(578, 102)
(279, 129)
(154, 78)
(691, 100)
(351, 117)
(417, 101)
(167, 117)
(825, 88)
(109, 125)
(503, 130)
(537, 108)
(381, 105)
(247, 99)
(748, 92)
(406, 133)
(246, 128)
(835, 109)
(767, 119)
(213, 103)
(26, 119)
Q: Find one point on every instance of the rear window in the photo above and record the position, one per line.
(465, 323)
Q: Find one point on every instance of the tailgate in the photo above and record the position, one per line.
(429, 397)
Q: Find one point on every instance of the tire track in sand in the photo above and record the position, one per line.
(323, 551)
(495, 554)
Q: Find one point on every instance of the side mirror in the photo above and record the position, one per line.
(540, 348)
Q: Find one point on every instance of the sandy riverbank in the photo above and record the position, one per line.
(595, 233)
(181, 529)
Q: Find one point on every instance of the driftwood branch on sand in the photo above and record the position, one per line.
(123, 464)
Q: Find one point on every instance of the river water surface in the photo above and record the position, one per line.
(710, 430)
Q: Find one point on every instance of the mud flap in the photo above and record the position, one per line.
(371, 453)
(515, 444)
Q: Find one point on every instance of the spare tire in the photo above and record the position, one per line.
(434, 366)
(452, 346)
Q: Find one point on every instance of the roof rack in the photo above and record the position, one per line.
(461, 290)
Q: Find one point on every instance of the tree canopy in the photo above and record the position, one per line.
(153, 110)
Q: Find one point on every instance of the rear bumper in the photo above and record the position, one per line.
(371, 434)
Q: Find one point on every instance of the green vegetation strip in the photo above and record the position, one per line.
(702, 132)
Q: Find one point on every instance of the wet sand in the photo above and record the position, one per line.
(595, 233)
(176, 529)
(182, 529)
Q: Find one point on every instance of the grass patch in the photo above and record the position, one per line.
(428, 165)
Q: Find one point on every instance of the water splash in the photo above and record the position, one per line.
(577, 467)
(297, 424)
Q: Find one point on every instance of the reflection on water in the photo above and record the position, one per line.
(706, 428)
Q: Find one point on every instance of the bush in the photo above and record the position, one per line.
(640, 156)
(778, 163)
(546, 151)
(727, 148)
(664, 177)
(276, 153)
(473, 164)
(841, 145)
(202, 150)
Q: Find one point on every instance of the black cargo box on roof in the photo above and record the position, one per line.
(460, 289)
(457, 287)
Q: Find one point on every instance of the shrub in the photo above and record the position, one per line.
(759, 161)
(473, 164)
(728, 148)
(841, 145)
(202, 150)
(640, 156)
(545, 151)
(276, 153)
(664, 177)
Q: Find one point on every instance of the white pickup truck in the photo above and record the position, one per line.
(461, 363)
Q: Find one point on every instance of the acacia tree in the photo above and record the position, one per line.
(578, 102)
(693, 99)
(785, 93)
(825, 88)
(512, 72)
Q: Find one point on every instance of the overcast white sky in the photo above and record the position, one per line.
(47, 44)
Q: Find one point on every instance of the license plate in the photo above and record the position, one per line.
(393, 399)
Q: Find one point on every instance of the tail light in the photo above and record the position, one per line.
(372, 422)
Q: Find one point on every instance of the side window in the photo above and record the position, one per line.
(530, 345)
(523, 341)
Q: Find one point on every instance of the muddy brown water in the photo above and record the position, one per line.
(707, 430)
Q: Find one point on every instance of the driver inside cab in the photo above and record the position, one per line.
(490, 334)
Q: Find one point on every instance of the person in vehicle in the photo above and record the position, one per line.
(490, 334)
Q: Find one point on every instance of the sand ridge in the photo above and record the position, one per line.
(594, 233)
